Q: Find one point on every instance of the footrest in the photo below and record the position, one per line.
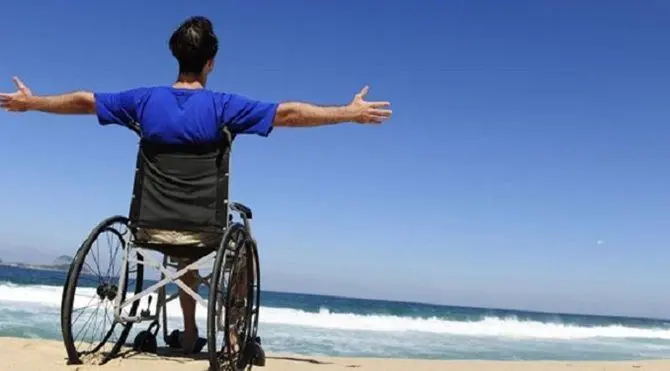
(254, 353)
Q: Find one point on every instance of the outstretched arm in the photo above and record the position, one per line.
(298, 114)
(247, 116)
(110, 108)
(80, 102)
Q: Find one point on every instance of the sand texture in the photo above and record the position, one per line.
(24, 354)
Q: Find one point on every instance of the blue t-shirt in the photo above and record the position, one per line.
(169, 115)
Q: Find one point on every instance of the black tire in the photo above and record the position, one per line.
(233, 263)
(105, 291)
(254, 294)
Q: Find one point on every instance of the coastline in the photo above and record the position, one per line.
(24, 354)
(38, 267)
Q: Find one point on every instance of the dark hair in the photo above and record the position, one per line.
(193, 44)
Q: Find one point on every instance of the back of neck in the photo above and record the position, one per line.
(189, 81)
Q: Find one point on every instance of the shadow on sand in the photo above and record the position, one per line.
(173, 355)
(165, 353)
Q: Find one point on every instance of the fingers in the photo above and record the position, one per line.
(372, 112)
(382, 112)
(375, 120)
(6, 102)
(19, 84)
(6, 97)
(376, 116)
(363, 92)
(380, 115)
(379, 104)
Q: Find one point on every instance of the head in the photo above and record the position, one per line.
(195, 45)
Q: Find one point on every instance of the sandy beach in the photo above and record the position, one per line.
(25, 354)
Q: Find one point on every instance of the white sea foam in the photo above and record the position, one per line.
(35, 298)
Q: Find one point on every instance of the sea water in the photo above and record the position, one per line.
(323, 325)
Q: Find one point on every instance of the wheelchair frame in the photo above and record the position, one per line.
(167, 277)
(227, 269)
(237, 237)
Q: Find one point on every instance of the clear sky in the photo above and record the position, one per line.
(525, 166)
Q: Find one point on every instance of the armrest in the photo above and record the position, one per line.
(241, 209)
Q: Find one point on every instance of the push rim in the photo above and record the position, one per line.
(232, 293)
(90, 330)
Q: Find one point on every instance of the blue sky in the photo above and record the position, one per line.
(523, 134)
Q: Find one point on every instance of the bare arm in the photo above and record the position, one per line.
(81, 102)
(298, 114)
(305, 114)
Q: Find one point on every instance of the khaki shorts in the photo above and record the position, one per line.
(176, 238)
(168, 237)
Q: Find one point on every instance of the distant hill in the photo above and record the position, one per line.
(63, 260)
(62, 263)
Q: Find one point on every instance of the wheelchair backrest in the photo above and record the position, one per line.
(181, 187)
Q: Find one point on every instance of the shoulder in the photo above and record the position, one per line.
(145, 91)
(127, 96)
(238, 101)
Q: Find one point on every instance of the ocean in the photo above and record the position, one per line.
(324, 325)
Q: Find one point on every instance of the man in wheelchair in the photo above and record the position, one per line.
(186, 131)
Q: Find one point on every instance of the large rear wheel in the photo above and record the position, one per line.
(90, 331)
(232, 318)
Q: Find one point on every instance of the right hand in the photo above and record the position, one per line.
(369, 112)
(17, 101)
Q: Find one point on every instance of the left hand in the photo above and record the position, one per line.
(369, 112)
(17, 101)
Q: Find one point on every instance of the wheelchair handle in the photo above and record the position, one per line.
(244, 211)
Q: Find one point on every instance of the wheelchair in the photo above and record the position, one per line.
(182, 189)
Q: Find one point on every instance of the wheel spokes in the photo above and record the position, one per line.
(93, 326)
(239, 309)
